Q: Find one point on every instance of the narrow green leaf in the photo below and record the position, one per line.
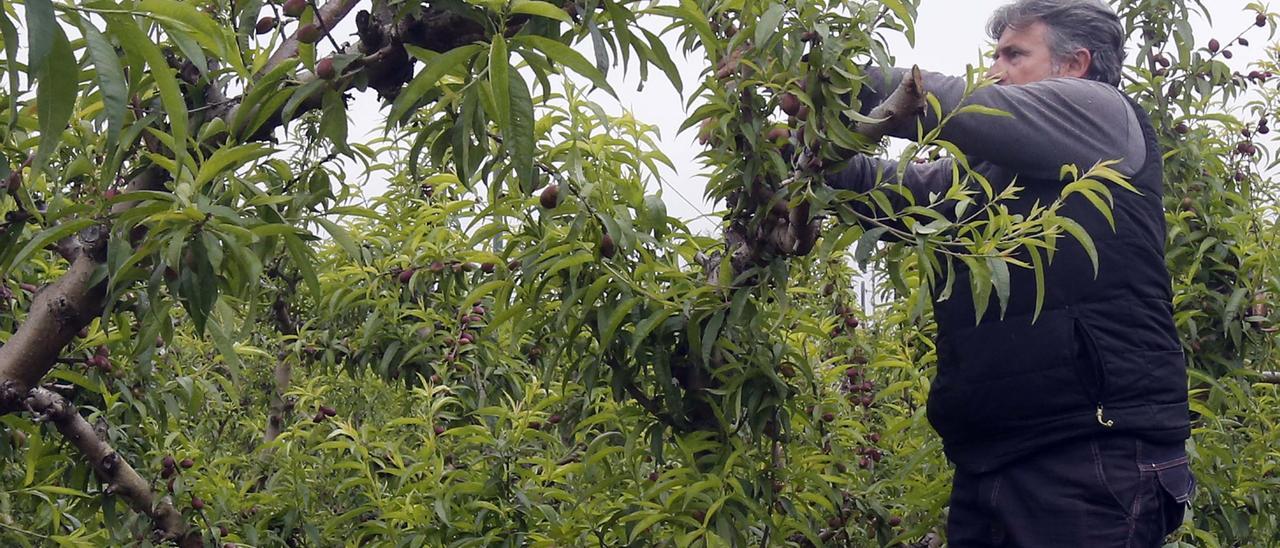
(45, 238)
(711, 335)
(1000, 278)
(1037, 264)
(303, 259)
(126, 30)
(1083, 237)
(520, 140)
(499, 65)
(11, 59)
(42, 30)
(616, 318)
(768, 23)
(333, 120)
(437, 67)
(541, 9)
(110, 80)
(339, 235)
(229, 158)
(867, 244)
(55, 95)
(559, 53)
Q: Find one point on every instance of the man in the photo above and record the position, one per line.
(1068, 431)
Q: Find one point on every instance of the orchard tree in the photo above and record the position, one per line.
(516, 344)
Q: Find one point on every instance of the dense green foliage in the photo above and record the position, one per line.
(470, 360)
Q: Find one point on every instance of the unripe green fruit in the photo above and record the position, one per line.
(294, 8)
(309, 34)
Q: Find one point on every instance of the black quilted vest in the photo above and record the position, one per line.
(1102, 357)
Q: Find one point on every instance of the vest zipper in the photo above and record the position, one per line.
(1103, 421)
(1099, 370)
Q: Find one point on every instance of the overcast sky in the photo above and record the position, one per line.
(950, 35)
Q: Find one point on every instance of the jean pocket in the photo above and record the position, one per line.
(1176, 480)
(1177, 486)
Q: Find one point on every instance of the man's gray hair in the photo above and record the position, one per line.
(1072, 25)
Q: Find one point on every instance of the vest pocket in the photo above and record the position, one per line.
(1089, 366)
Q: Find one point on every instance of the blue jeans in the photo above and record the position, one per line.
(1111, 491)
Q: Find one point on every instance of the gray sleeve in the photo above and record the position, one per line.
(924, 182)
(1051, 123)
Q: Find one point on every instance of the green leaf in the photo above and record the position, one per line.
(1000, 278)
(230, 158)
(132, 38)
(519, 141)
(437, 67)
(339, 235)
(498, 68)
(42, 29)
(111, 80)
(1083, 237)
(333, 120)
(867, 244)
(45, 238)
(55, 95)
(976, 108)
(303, 259)
(1037, 263)
(768, 23)
(11, 59)
(541, 9)
(615, 319)
(558, 53)
(711, 335)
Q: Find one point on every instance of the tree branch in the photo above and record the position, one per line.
(283, 372)
(1271, 377)
(121, 479)
(329, 15)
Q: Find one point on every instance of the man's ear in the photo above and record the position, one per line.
(1077, 66)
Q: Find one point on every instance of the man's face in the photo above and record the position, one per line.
(1023, 56)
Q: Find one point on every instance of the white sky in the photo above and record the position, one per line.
(950, 34)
